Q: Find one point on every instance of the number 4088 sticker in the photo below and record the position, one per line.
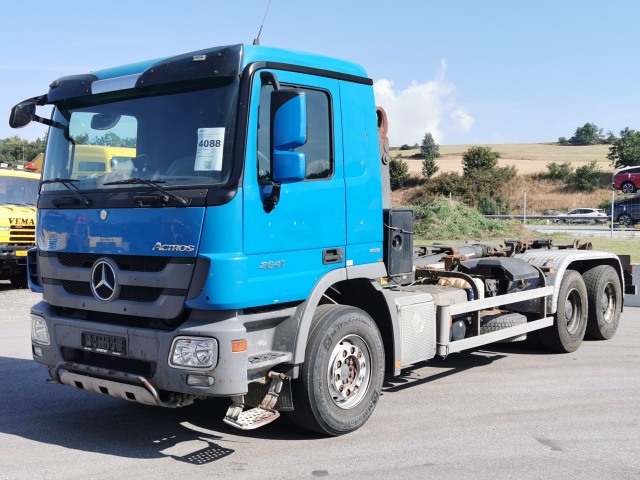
(210, 148)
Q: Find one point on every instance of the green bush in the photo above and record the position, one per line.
(588, 177)
(499, 206)
(479, 159)
(398, 172)
(558, 172)
(469, 188)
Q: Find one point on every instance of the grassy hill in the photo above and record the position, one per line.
(530, 159)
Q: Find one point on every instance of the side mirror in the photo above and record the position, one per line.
(289, 130)
(22, 114)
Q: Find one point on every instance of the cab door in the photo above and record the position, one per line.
(291, 247)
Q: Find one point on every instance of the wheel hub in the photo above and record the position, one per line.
(348, 372)
(607, 303)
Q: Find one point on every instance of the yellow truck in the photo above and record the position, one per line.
(18, 198)
(94, 160)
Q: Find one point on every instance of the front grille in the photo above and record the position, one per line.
(135, 263)
(139, 294)
(127, 292)
(22, 235)
(77, 288)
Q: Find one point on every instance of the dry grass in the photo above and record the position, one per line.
(545, 198)
(527, 157)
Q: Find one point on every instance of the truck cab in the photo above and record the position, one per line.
(18, 198)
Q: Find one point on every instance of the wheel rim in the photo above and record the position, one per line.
(572, 311)
(349, 371)
(627, 188)
(625, 219)
(608, 303)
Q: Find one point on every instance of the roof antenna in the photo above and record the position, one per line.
(256, 41)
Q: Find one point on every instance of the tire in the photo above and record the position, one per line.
(625, 220)
(570, 323)
(333, 396)
(500, 321)
(19, 280)
(604, 294)
(628, 187)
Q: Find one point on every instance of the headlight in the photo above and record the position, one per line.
(39, 330)
(193, 353)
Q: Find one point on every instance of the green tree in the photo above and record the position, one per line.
(610, 138)
(479, 159)
(588, 177)
(18, 151)
(625, 151)
(429, 150)
(589, 134)
(398, 172)
(562, 140)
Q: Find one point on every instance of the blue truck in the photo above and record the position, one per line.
(248, 247)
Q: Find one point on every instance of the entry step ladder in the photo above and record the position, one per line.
(260, 415)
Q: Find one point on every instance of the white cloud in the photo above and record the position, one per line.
(422, 107)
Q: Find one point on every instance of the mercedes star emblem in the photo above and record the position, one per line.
(104, 284)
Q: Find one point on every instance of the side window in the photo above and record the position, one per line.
(318, 149)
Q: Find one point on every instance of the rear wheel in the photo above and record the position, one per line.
(341, 379)
(605, 300)
(628, 187)
(625, 220)
(568, 329)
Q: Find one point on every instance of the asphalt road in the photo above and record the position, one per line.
(494, 413)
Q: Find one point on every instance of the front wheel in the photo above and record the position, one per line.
(342, 376)
(605, 301)
(570, 323)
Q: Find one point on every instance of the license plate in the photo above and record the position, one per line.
(95, 342)
(21, 253)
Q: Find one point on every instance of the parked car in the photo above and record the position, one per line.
(627, 211)
(626, 179)
(583, 215)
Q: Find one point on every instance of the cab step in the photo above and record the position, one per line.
(260, 415)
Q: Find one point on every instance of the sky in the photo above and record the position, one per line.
(466, 71)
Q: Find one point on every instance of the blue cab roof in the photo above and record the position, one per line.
(250, 54)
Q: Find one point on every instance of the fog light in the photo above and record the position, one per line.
(39, 330)
(193, 353)
(37, 351)
(199, 381)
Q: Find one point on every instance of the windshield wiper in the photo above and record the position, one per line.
(68, 182)
(135, 180)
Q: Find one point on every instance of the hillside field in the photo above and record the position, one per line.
(527, 157)
(543, 198)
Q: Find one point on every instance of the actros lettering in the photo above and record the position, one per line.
(173, 248)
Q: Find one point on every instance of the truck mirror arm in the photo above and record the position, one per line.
(269, 203)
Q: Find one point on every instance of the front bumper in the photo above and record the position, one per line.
(143, 373)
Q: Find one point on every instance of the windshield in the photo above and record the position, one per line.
(163, 134)
(18, 191)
